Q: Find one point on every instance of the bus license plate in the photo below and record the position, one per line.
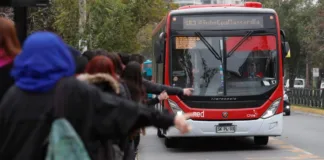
(225, 129)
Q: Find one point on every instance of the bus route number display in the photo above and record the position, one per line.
(222, 22)
(186, 42)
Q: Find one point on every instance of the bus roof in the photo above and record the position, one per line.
(234, 9)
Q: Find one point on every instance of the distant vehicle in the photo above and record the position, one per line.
(299, 83)
(231, 55)
(286, 102)
(322, 85)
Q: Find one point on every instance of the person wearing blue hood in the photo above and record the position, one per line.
(43, 74)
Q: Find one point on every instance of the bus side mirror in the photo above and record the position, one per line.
(160, 48)
(285, 48)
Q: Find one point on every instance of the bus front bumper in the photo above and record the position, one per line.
(272, 126)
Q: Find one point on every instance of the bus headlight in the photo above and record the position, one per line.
(175, 108)
(272, 109)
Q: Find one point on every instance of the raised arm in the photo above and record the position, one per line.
(155, 88)
(117, 117)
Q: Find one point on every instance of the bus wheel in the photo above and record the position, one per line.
(288, 113)
(170, 142)
(159, 133)
(261, 140)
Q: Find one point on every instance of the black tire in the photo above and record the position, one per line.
(159, 133)
(170, 142)
(288, 113)
(261, 140)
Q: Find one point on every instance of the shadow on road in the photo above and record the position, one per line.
(217, 144)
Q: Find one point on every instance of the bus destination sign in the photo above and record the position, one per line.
(186, 42)
(223, 22)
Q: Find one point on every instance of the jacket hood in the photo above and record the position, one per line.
(44, 60)
(100, 78)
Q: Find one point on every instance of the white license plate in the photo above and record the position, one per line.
(225, 129)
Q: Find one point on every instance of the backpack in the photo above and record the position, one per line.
(54, 137)
(64, 143)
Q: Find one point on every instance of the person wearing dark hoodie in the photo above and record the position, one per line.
(9, 48)
(44, 71)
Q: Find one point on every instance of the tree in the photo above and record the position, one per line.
(295, 16)
(66, 15)
(119, 25)
(6, 12)
(41, 19)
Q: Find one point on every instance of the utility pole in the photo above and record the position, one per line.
(169, 4)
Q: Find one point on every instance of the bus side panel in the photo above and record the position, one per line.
(158, 68)
(280, 69)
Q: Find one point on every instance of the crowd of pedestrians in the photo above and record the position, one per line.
(102, 94)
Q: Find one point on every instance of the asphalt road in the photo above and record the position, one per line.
(302, 139)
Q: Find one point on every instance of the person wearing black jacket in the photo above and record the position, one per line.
(44, 63)
(151, 87)
(134, 80)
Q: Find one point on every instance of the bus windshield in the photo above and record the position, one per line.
(250, 70)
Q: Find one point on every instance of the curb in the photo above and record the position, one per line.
(308, 109)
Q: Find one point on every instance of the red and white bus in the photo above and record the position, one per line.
(232, 55)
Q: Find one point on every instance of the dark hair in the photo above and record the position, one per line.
(89, 55)
(124, 57)
(81, 63)
(133, 78)
(101, 64)
(137, 58)
(99, 52)
(116, 60)
(8, 37)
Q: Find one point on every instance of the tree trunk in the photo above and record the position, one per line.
(82, 23)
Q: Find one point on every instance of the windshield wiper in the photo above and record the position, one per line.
(248, 34)
(210, 48)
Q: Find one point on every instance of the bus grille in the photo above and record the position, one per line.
(224, 104)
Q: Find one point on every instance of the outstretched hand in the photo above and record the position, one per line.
(163, 96)
(181, 124)
(188, 91)
(143, 131)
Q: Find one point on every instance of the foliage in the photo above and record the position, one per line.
(118, 25)
(41, 19)
(66, 20)
(299, 19)
(6, 12)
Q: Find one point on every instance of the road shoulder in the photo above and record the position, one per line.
(303, 109)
